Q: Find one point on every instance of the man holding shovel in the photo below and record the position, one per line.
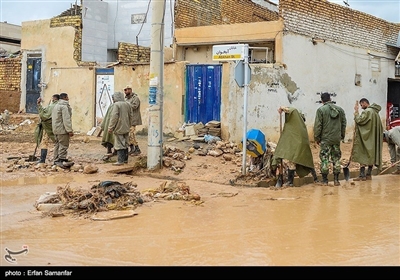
(44, 131)
(329, 129)
(294, 146)
(368, 142)
(392, 138)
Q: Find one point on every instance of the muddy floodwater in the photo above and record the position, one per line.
(355, 224)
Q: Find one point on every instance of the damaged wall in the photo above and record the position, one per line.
(58, 41)
(129, 53)
(10, 80)
(348, 69)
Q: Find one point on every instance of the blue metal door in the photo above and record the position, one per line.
(33, 76)
(203, 93)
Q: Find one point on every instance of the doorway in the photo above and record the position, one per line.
(33, 82)
(203, 93)
(393, 104)
(104, 91)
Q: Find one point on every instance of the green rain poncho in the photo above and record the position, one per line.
(294, 145)
(108, 137)
(369, 137)
(45, 123)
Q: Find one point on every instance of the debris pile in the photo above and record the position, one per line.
(19, 163)
(107, 195)
(6, 125)
(197, 131)
(172, 191)
(174, 158)
(110, 195)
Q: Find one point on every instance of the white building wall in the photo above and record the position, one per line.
(121, 28)
(309, 70)
(105, 23)
(10, 31)
(331, 67)
(95, 31)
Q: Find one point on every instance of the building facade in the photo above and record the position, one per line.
(297, 50)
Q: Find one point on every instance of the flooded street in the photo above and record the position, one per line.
(355, 224)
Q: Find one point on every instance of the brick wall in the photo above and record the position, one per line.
(340, 24)
(10, 80)
(76, 22)
(129, 53)
(191, 13)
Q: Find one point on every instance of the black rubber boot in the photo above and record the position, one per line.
(362, 176)
(109, 148)
(289, 182)
(132, 149)
(279, 182)
(314, 174)
(336, 179)
(369, 173)
(324, 179)
(136, 151)
(60, 162)
(43, 155)
(121, 157)
(126, 155)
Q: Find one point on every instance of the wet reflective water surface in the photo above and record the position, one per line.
(351, 225)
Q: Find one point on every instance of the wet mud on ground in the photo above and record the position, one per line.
(239, 226)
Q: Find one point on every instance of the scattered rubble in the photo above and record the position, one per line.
(109, 195)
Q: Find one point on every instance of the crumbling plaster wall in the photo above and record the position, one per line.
(351, 43)
(58, 40)
(346, 41)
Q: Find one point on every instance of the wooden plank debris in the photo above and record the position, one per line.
(113, 215)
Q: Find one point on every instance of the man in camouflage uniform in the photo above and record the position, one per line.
(329, 129)
(44, 131)
(133, 99)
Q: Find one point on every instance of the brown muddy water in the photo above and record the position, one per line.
(350, 225)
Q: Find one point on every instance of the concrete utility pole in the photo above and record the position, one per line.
(156, 87)
(245, 94)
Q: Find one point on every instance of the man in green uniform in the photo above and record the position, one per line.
(44, 131)
(329, 129)
(368, 142)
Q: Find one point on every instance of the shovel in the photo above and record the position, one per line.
(346, 171)
(33, 157)
(38, 136)
(393, 164)
(280, 180)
